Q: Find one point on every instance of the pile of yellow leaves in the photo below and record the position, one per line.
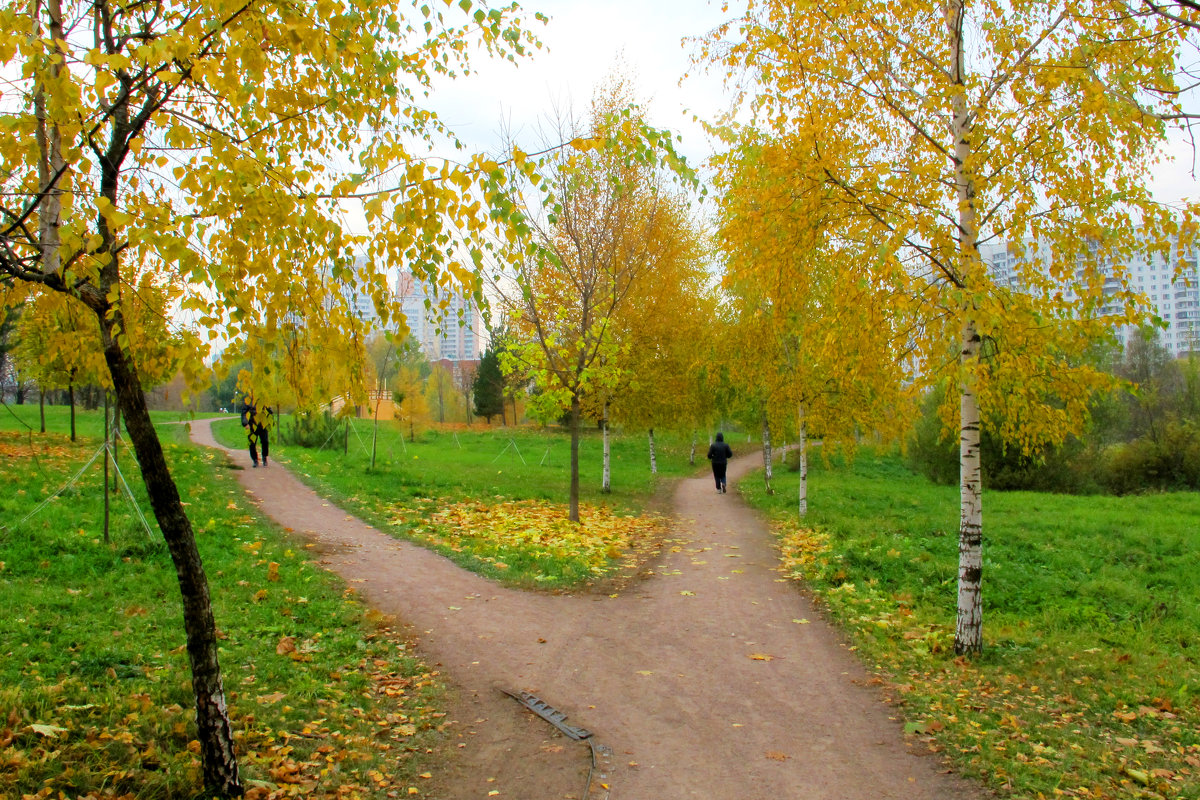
(537, 536)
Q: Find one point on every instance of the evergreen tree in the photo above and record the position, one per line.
(489, 386)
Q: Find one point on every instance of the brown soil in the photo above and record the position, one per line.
(715, 677)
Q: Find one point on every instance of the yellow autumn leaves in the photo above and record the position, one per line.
(536, 538)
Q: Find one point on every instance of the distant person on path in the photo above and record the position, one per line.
(719, 453)
(254, 422)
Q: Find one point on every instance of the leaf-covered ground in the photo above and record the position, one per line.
(532, 537)
(326, 698)
(1087, 686)
(495, 500)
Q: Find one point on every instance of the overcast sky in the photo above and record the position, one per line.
(585, 39)
(583, 43)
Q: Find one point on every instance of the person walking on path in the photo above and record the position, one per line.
(719, 453)
(254, 422)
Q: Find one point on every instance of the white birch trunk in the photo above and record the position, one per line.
(767, 457)
(692, 455)
(968, 633)
(802, 500)
(653, 457)
(606, 480)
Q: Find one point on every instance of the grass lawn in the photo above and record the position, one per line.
(1089, 685)
(95, 695)
(495, 500)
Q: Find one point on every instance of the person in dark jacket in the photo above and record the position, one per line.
(719, 453)
(254, 422)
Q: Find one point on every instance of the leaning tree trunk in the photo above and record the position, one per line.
(803, 441)
(653, 455)
(212, 716)
(767, 457)
(968, 633)
(214, 732)
(573, 513)
(606, 479)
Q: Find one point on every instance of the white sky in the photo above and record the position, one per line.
(582, 43)
(585, 39)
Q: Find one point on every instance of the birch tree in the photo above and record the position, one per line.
(939, 127)
(661, 330)
(823, 323)
(217, 143)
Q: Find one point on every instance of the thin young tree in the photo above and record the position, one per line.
(603, 226)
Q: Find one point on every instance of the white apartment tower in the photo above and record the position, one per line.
(1176, 299)
(454, 334)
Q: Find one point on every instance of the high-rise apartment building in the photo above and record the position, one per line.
(361, 304)
(448, 328)
(1176, 299)
(452, 333)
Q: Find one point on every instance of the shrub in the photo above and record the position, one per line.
(311, 429)
(1070, 468)
(1170, 462)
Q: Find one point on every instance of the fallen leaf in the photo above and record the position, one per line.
(762, 657)
(49, 731)
(1138, 775)
(286, 645)
(775, 755)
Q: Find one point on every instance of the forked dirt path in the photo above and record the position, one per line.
(699, 678)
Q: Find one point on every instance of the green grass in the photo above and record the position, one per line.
(411, 479)
(1089, 684)
(92, 640)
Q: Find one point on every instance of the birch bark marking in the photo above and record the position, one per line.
(803, 443)
(573, 508)
(767, 457)
(968, 634)
(653, 456)
(606, 480)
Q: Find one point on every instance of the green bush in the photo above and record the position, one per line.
(1071, 468)
(1171, 462)
(929, 453)
(311, 429)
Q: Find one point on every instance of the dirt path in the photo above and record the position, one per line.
(664, 674)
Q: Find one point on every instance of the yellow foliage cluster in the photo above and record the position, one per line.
(539, 531)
